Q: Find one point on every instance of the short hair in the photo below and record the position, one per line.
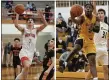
(59, 13)
(52, 39)
(30, 18)
(88, 4)
(102, 10)
(17, 39)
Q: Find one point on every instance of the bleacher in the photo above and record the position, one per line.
(8, 19)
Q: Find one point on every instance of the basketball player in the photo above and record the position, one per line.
(101, 41)
(48, 62)
(29, 37)
(88, 25)
(15, 49)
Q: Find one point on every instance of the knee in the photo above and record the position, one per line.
(92, 62)
(27, 67)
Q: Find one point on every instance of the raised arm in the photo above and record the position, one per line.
(79, 20)
(94, 7)
(43, 20)
(17, 25)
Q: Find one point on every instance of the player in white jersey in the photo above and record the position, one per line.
(29, 36)
(101, 40)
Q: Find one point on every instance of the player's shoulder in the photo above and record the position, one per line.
(104, 24)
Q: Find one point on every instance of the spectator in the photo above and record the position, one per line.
(9, 4)
(63, 56)
(47, 12)
(60, 46)
(72, 66)
(81, 62)
(72, 31)
(29, 6)
(59, 16)
(33, 7)
(61, 25)
(7, 53)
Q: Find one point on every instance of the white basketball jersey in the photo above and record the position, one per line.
(29, 39)
(101, 37)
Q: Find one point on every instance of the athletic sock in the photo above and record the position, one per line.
(96, 78)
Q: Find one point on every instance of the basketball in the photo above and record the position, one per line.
(19, 8)
(76, 10)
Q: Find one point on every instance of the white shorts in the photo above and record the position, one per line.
(26, 54)
(102, 55)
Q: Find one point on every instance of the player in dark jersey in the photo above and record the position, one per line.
(48, 63)
(15, 49)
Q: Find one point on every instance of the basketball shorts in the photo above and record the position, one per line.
(87, 45)
(26, 55)
(16, 61)
(102, 55)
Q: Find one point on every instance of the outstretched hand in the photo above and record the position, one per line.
(40, 13)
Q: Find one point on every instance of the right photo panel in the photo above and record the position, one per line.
(82, 40)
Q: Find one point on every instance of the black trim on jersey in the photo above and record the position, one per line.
(89, 54)
(96, 29)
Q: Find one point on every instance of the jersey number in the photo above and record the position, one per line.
(104, 34)
(29, 42)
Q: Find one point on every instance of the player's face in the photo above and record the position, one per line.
(16, 42)
(88, 9)
(51, 43)
(30, 22)
(101, 15)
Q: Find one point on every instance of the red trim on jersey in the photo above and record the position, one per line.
(24, 58)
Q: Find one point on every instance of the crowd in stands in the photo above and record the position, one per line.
(30, 7)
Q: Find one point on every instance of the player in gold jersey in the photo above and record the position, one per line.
(89, 24)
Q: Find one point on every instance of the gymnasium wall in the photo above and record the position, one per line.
(10, 29)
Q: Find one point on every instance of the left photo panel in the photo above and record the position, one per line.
(28, 40)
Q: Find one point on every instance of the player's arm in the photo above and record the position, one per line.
(94, 7)
(17, 25)
(79, 20)
(40, 13)
(96, 27)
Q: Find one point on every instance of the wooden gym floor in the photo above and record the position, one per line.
(34, 73)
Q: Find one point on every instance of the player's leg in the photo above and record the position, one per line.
(77, 47)
(50, 75)
(105, 66)
(26, 64)
(42, 74)
(18, 69)
(15, 66)
(88, 76)
(105, 69)
(92, 64)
